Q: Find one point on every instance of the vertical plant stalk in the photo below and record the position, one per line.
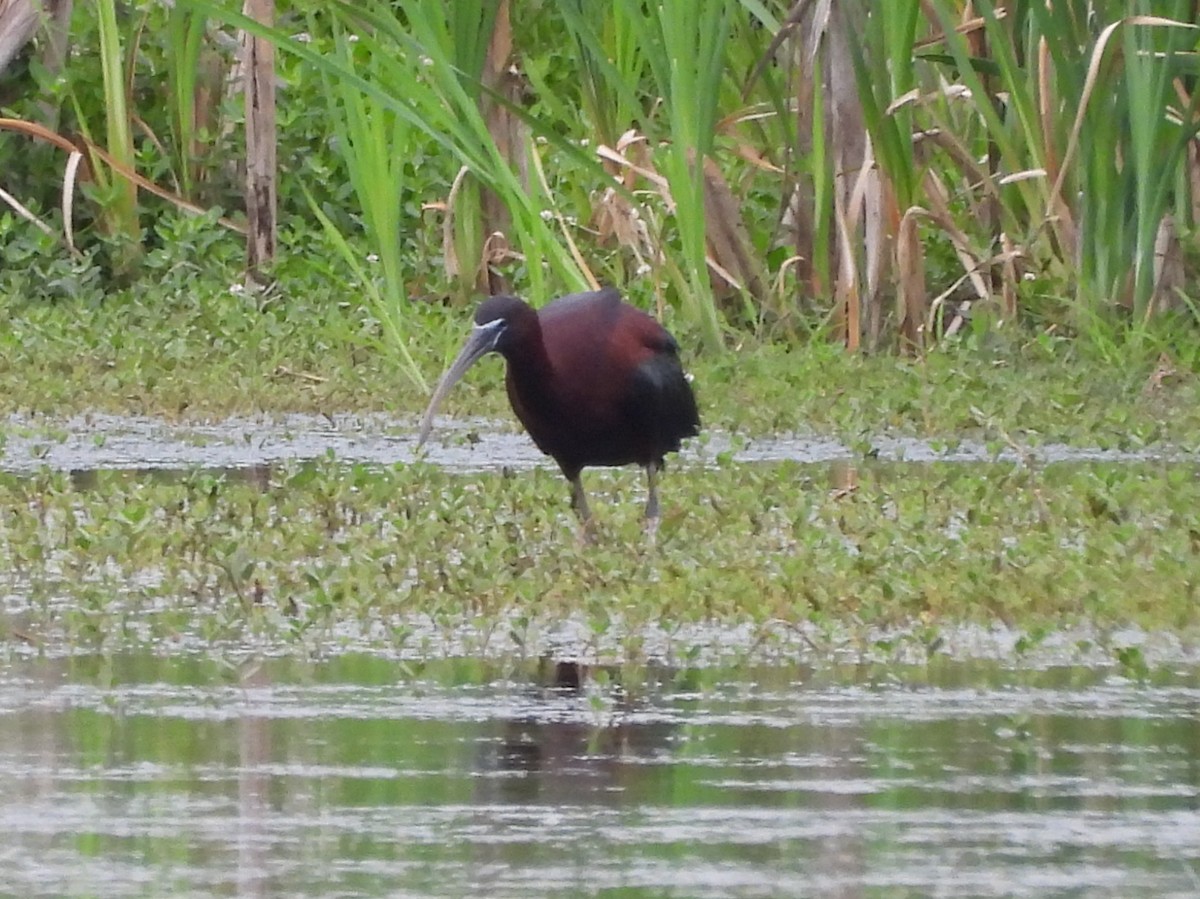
(856, 188)
(193, 72)
(478, 43)
(731, 253)
(809, 233)
(1169, 274)
(261, 188)
(977, 40)
(910, 268)
(807, 214)
(54, 55)
(121, 218)
(500, 79)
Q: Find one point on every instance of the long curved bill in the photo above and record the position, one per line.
(481, 342)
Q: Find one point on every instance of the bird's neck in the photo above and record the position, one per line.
(530, 369)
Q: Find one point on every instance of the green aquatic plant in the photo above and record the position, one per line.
(326, 549)
(195, 347)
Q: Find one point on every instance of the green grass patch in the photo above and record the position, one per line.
(327, 548)
(197, 348)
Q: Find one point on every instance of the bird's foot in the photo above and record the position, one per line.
(586, 535)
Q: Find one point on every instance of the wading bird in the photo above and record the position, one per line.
(593, 380)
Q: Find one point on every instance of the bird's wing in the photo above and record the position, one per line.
(598, 303)
(660, 401)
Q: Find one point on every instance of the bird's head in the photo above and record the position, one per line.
(499, 322)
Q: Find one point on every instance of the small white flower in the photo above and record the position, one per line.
(426, 61)
(237, 289)
(540, 140)
(353, 38)
(302, 38)
(546, 215)
(643, 269)
(372, 257)
(584, 142)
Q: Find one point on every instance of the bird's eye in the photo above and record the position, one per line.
(490, 333)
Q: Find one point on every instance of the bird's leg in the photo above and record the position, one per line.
(579, 500)
(652, 500)
(580, 505)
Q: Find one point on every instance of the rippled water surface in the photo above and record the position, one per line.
(367, 777)
(97, 441)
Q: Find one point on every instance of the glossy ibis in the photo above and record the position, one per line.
(594, 381)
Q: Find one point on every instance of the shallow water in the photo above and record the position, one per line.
(92, 442)
(362, 776)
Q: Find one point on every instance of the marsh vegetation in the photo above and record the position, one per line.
(921, 614)
(939, 221)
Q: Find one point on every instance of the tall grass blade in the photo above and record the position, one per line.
(185, 36)
(391, 314)
(121, 211)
